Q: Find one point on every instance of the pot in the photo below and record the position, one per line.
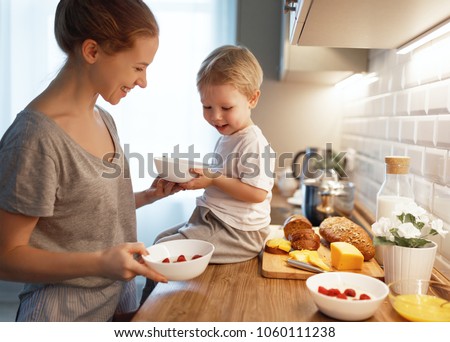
(325, 197)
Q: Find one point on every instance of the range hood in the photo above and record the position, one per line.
(367, 24)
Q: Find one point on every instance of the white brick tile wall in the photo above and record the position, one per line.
(385, 149)
(394, 129)
(397, 78)
(447, 169)
(407, 112)
(439, 99)
(444, 54)
(412, 75)
(423, 192)
(434, 164)
(418, 99)
(426, 64)
(401, 103)
(441, 202)
(443, 131)
(378, 106)
(408, 130)
(376, 128)
(416, 163)
(398, 149)
(444, 248)
(389, 105)
(425, 128)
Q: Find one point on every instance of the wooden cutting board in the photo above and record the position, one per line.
(275, 266)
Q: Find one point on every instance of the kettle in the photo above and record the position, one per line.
(312, 161)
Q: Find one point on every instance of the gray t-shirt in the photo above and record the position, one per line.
(84, 203)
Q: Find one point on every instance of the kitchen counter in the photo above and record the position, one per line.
(238, 293)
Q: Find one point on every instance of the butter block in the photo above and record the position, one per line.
(345, 256)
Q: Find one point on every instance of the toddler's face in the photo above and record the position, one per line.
(226, 109)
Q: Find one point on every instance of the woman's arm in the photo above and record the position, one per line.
(160, 188)
(23, 263)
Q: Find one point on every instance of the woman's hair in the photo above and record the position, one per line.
(113, 24)
(234, 65)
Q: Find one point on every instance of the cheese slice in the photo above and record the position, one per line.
(280, 243)
(310, 257)
(345, 256)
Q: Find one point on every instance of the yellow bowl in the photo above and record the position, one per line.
(421, 300)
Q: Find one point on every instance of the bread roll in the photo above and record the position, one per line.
(334, 229)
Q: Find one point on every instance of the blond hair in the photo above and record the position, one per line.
(234, 65)
(113, 24)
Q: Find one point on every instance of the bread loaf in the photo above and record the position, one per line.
(294, 223)
(277, 246)
(334, 229)
(298, 230)
(309, 244)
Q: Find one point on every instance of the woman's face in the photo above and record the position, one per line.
(226, 109)
(115, 75)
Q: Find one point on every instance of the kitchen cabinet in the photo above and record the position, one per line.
(262, 26)
(367, 24)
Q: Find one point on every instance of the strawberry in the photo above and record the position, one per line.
(196, 256)
(181, 258)
(341, 296)
(333, 292)
(166, 260)
(364, 296)
(323, 290)
(350, 292)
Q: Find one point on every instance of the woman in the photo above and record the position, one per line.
(67, 227)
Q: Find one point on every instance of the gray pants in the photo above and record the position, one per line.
(231, 245)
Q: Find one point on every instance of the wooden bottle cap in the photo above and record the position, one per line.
(397, 164)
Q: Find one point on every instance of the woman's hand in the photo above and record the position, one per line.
(160, 188)
(124, 262)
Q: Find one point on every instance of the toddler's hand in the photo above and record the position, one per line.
(205, 178)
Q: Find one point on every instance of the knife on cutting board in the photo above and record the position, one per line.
(304, 266)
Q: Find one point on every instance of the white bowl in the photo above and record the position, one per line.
(176, 169)
(347, 309)
(185, 270)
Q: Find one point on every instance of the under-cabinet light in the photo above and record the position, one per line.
(434, 33)
(357, 78)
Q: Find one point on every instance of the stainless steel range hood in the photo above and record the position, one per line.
(367, 24)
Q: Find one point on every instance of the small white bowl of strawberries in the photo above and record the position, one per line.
(179, 259)
(347, 296)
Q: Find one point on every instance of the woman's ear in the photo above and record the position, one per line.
(253, 101)
(89, 50)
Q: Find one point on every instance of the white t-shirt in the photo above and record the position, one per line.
(245, 155)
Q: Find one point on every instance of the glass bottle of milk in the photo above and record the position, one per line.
(396, 188)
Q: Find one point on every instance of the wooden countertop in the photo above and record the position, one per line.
(238, 293)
